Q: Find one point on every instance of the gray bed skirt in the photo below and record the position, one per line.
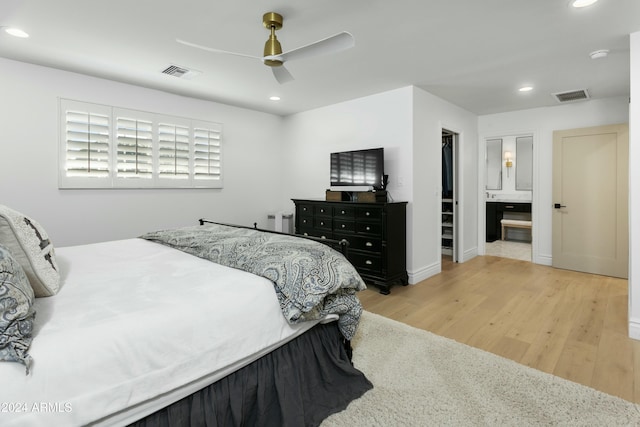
(298, 384)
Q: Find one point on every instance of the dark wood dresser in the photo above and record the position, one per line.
(376, 232)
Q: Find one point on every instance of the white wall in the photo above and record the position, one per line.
(634, 190)
(431, 115)
(408, 123)
(269, 160)
(28, 160)
(541, 122)
(381, 120)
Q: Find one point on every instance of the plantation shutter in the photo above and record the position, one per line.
(134, 156)
(87, 142)
(84, 154)
(173, 151)
(108, 147)
(207, 153)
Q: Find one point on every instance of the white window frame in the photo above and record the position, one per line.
(157, 180)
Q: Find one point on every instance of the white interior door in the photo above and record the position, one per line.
(590, 196)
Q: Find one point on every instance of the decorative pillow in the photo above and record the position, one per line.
(16, 311)
(31, 247)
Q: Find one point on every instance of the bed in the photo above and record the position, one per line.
(142, 332)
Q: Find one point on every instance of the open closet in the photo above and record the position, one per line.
(449, 203)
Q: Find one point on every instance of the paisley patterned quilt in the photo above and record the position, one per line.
(311, 280)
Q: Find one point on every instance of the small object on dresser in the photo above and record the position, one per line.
(372, 196)
(336, 196)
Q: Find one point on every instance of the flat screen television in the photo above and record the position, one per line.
(358, 168)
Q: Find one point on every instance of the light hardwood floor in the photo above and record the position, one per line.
(573, 325)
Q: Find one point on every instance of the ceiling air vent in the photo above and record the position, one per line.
(572, 96)
(181, 72)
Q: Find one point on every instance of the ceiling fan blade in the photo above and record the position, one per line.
(211, 49)
(332, 44)
(281, 74)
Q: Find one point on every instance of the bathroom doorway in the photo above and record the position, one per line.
(508, 196)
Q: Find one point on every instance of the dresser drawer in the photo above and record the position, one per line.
(347, 212)
(323, 223)
(365, 261)
(325, 211)
(516, 207)
(369, 228)
(365, 244)
(304, 209)
(305, 222)
(368, 212)
(342, 225)
(313, 232)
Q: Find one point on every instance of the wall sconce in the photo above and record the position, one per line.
(508, 162)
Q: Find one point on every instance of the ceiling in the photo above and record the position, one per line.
(475, 54)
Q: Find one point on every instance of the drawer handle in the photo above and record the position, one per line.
(343, 212)
(304, 209)
(368, 244)
(321, 210)
(368, 228)
(509, 207)
(305, 234)
(367, 214)
(304, 221)
(368, 262)
(323, 237)
(321, 222)
(343, 226)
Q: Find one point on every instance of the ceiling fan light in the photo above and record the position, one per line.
(272, 48)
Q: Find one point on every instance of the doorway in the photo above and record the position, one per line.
(508, 196)
(449, 203)
(590, 196)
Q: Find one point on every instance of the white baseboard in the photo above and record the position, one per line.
(436, 268)
(469, 254)
(634, 329)
(543, 260)
(424, 273)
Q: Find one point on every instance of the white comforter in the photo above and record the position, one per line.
(136, 326)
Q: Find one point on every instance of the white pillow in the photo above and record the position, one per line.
(31, 247)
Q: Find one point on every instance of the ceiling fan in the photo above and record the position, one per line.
(273, 55)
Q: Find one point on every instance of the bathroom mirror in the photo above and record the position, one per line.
(524, 163)
(494, 164)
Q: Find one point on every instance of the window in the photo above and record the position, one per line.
(173, 154)
(108, 147)
(207, 154)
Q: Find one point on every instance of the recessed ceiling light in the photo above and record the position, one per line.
(582, 3)
(16, 32)
(526, 89)
(274, 98)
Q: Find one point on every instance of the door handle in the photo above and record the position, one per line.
(558, 206)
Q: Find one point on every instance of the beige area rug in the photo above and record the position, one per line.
(422, 379)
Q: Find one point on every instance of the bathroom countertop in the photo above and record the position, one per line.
(507, 201)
